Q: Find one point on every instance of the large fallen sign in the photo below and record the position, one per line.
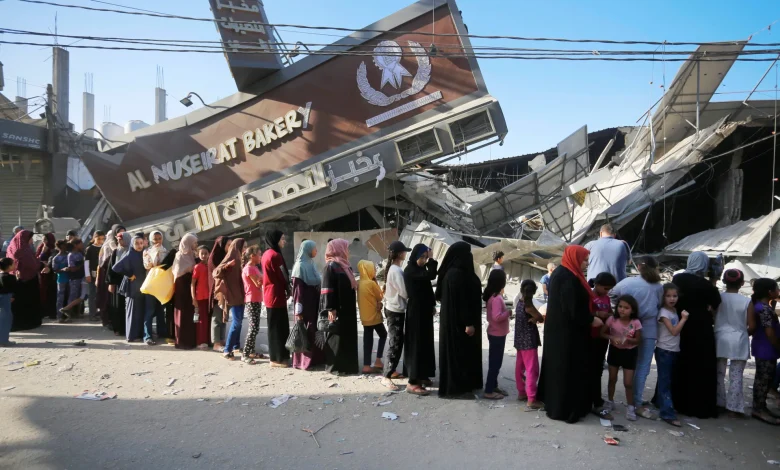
(316, 128)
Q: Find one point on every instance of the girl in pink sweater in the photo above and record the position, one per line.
(498, 328)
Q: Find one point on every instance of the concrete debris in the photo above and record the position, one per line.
(170, 382)
(95, 396)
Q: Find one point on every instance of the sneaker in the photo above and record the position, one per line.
(631, 413)
(609, 406)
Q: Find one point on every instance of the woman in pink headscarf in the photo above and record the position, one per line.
(27, 299)
(337, 298)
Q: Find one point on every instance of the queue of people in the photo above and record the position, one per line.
(696, 334)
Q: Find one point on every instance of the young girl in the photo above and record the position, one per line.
(732, 342)
(623, 332)
(666, 351)
(200, 294)
(370, 304)
(498, 328)
(764, 326)
(253, 298)
(395, 312)
(602, 284)
(527, 344)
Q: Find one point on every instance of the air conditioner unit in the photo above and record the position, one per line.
(471, 128)
(418, 147)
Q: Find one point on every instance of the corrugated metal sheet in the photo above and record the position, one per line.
(740, 239)
(21, 195)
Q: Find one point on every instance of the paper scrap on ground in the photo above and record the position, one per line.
(605, 422)
(32, 363)
(95, 396)
(170, 382)
(276, 402)
(693, 426)
(389, 416)
(677, 433)
(9, 388)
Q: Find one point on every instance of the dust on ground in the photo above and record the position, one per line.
(193, 409)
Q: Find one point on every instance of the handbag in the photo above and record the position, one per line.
(298, 341)
(159, 283)
(325, 325)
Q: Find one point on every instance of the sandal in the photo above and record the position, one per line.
(397, 376)
(674, 422)
(646, 413)
(417, 390)
(248, 360)
(493, 396)
(280, 365)
(256, 356)
(388, 384)
(535, 406)
(426, 383)
(501, 391)
(229, 356)
(766, 417)
(522, 398)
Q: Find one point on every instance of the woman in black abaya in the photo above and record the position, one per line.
(563, 380)
(460, 335)
(419, 355)
(338, 299)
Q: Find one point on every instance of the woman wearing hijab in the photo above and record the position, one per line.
(131, 266)
(648, 292)
(117, 305)
(563, 380)
(694, 386)
(167, 309)
(47, 280)
(183, 303)
(26, 306)
(153, 257)
(229, 290)
(217, 323)
(276, 291)
(460, 335)
(419, 355)
(306, 299)
(101, 295)
(338, 297)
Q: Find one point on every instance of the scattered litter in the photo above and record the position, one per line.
(80, 343)
(203, 399)
(228, 384)
(209, 373)
(346, 453)
(492, 436)
(693, 426)
(727, 429)
(383, 403)
(170, 382)
(341, 400)
(493, 406)
(557, 446)
(67, 368)
(389, 416)
(333, 385)
(536, 425)
(651, 430)
(143, 372)
(228, 400)
(414, 413)
(327, 402)
(196, 456)
(612, 441)
(32, 363)
(95, 396)
(676, 433)
(105, 376)
(619, 428)
(772, 462)
(15, 368)
(356, 416)
(6, 389)
(276, 402)
(313, 433)
(605, 422)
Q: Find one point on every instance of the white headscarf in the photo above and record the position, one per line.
(185, 257)
(698, 263)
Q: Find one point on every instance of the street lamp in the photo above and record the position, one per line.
(187, 101)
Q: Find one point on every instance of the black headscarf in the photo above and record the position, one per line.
(458, 256)
(272, 239)
(116, 228)
(417, 251)
(167, 262)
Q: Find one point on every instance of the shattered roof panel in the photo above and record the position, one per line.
(740, 239)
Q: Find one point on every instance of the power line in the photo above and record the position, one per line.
(524, 56)
(382, 31)
(255, 46)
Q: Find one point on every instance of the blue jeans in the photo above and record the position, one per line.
(6, 317)
(153, 309)
(495, 359)
(664, 361)
(643, 361)
(234, 335)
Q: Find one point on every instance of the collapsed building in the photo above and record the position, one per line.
(361, 145)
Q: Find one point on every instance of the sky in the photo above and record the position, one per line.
(543, 101)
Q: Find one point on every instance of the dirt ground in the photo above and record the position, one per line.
(218, 414)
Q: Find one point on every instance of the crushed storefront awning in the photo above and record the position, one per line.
(740, 239)
(523, 259)
(365, 244)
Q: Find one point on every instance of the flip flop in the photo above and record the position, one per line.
(674, 422)
(419, 391)
(388, 384)
(536, 406)
(496, 396)
(397, 376)
(229, 356)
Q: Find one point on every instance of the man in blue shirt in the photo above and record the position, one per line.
(608, 255)
(545, 281)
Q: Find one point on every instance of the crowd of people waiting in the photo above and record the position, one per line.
(593, 312)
